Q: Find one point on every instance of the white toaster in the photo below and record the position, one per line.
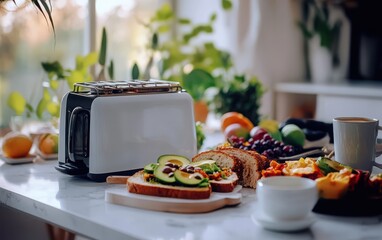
(116, 128)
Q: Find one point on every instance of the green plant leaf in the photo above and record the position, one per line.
(196, 30)
(154, 41)
(54, 67)
(48, 10)
(46, 94)
(54, 84)
(102, 55)
(135, 71)
(41, 107)
(80, 62)
(184, 21)
(74, 77)
(305, 31)
(29, 107)
(163, 14)
(226, 4)
(90, 59)
(110, 70)
(17, 102)
(163, 29)
(53, 108)
(240, 95)
(213, 17)
(196, 82)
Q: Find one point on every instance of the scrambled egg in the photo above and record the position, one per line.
(304, 167)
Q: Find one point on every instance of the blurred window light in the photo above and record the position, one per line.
(26, 40)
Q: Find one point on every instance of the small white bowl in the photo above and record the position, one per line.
(286, 198)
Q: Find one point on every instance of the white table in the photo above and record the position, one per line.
(78, 205)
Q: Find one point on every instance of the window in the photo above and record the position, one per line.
(27, 40)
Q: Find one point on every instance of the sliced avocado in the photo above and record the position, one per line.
(164, 174)
(209, 166)
(189, 179)
(149, 168)
(327, 165)
(204, 162)
(174, 159)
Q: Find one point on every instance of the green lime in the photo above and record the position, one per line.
(276, 135)
(293, 135)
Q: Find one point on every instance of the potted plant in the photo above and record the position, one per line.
(195, 66)
(241, 94)
(322, 37)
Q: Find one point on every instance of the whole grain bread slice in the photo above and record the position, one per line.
(253, 164)
(222, 159)
(225, 185)
(137, 184)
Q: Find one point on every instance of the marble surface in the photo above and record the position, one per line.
(78, 204)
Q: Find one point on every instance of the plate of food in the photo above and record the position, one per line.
(343, 191)
(175, 184)
(47, 146)
(16, 148)
(27, 159)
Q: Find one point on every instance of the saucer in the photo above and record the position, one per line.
(283, 226)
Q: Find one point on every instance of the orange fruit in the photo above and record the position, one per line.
(235, 117)
(48, 143)
(16, 145)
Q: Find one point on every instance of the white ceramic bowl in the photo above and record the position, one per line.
(286, 197)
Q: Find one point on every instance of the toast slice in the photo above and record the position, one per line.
(253, 164)
(137, 184)
(222, 159)
(225, 185)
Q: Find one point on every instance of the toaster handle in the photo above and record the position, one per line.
(73, 126)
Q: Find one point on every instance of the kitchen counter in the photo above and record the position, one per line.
(327, 101)
(78, 205)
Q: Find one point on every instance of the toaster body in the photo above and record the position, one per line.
(116, 134)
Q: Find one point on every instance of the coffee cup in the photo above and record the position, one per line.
(286, 198)
(355, 142)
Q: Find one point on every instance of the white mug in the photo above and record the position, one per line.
(355, 142)
(286, 197)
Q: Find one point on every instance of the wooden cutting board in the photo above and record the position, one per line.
(121, 196)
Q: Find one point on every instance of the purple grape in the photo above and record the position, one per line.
(267, 137)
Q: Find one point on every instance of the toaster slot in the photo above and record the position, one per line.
(78, 137)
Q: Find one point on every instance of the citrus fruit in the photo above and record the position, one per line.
(293, 135)
(16, 145)
(235, 117)
(270, 125)
(236, 129)
(48, 143)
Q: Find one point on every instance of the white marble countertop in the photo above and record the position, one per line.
(78, 204)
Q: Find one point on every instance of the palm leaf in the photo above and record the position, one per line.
(44, 7)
